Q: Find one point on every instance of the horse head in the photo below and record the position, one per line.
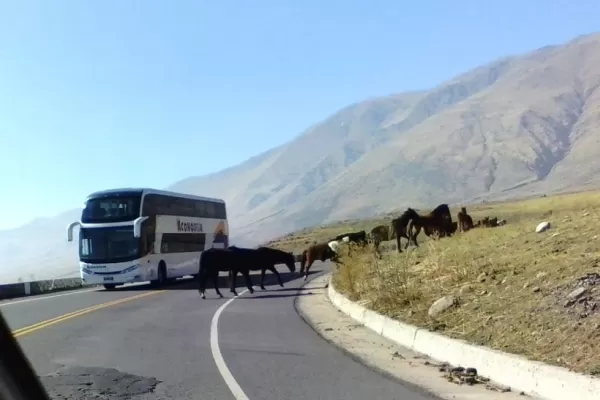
(290, 261)
(411, 213)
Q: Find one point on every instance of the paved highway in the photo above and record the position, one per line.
(170, 344)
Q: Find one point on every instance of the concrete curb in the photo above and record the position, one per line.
(532, 377)
(15, 290)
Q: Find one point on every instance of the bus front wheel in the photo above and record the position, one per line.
(162, 275)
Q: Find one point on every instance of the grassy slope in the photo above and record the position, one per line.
(512, 284)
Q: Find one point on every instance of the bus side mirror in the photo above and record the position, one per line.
(137, 226)
(70, 228)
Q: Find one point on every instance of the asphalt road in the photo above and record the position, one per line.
(168, 345)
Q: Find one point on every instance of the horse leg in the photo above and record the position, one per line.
(407, 241)
(415, 234)
(310, 263)
(398, 243)
(274, 270)
(202, 283)
(303, 258)
(262, 278)
(233, 283)
(215, 277)
(229, 277)
(246, 274)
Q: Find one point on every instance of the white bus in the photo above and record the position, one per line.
(140, 235)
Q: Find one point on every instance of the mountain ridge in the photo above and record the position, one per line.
(514, 127)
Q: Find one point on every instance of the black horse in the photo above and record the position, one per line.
(359, 237)
(239, 260)
(269, 258)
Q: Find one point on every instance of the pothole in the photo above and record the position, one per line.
(76, 382)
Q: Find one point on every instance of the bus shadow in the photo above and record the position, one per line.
(192, 284)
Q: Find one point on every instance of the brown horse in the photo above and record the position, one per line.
(488, 222)
(319, 251)
(380, 233)
(438, 221)
(399, 228)
(465, 222)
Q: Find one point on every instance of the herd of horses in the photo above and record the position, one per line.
(438, 223)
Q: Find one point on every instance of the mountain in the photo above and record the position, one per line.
(39, 250)
(517, 126)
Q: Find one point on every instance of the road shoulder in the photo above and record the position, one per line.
(379, 353)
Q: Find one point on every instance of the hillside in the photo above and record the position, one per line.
(517, 126)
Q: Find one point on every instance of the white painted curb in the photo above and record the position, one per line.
(522, 375)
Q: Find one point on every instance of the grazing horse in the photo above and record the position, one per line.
(355, 237)
(438, 221)
(214, 260)
(319, 251)
(380, 233)
(465, 222)
(269, 258)
(399, 228)
(488, 222)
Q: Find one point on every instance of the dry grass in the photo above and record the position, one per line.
(511, 283)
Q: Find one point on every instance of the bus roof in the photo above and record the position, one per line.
(141, 191)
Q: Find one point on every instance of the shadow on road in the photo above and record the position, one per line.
(297, 289)
(192, 284)
(274, 296)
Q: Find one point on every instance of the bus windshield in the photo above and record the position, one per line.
(111, 209)
(103, 245)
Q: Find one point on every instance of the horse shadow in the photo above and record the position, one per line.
(192, 284)
(274, 295)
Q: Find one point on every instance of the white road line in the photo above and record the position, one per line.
(9, 303)
(230, 381)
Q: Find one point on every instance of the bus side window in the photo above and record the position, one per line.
(200, 209)
(150, 243)
(220, 210)
(210, 209)
(147, 244)
(164, 245)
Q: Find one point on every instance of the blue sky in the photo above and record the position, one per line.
(101, 94)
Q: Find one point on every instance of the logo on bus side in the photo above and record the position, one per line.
(189, 226)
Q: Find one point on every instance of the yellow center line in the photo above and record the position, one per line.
(40, 325)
